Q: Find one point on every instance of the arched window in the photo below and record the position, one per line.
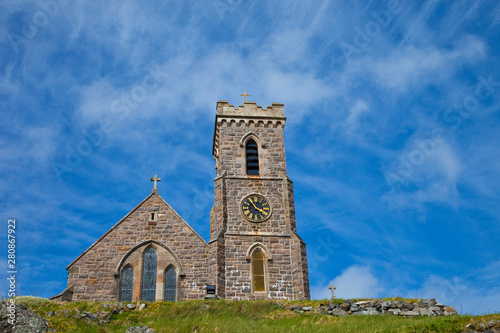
(170, 284)
(149, 275)
(258, 272)
(252, 152)
(127, 284)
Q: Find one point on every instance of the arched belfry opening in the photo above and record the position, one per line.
(252, 157)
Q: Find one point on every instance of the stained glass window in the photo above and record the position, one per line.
(258, 271)
(127, 284)
(170, 284)
(149, 275)
(252, 153)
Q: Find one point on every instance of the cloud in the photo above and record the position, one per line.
(354, 282)
(468, 297)
(352, 122)
(416, 66)
(96, 101)
(29, 145)
(434, 166)
(449, 163)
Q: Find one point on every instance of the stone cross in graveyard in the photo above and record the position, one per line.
(333, 291)
(155, 179)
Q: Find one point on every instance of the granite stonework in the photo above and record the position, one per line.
(341, 308)
(231, 235)
(226, 261)
(95, 275)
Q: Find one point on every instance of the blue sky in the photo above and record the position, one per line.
(392, 134)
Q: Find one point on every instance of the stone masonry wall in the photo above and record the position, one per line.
(300, 274)
(92, 275)
(233, 125)
(218, 218)
(287, 276)
(269, 137)
(238, 268)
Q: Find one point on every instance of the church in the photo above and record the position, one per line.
(254, 250)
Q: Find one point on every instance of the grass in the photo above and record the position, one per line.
(240, 316)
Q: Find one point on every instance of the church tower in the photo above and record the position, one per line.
(255, 251)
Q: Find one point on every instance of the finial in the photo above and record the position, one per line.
(245, 94)
(155, 179)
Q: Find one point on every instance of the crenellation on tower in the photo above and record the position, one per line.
(250, 109)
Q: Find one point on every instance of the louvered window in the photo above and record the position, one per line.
(127, 284)
(149, 275)
(252, 152)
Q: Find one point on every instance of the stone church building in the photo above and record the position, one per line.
(254, 251)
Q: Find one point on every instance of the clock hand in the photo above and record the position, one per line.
(260, 210)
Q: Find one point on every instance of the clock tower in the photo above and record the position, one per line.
(255, 251)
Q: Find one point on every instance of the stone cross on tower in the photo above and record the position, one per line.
(333, 290)
(245, 94)
(155, 179)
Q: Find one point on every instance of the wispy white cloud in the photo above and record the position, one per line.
(466, 296)
(42, 144)
(354, 282)
(412, 66)
(356, 112)
(435, 167)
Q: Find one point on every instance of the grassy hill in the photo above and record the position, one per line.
(237, 316)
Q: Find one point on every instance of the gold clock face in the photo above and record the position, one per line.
(255, 208)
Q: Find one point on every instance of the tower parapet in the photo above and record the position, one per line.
(248, 115)
(250, 109)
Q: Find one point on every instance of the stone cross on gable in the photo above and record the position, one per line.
(333, 291)
(155, 179)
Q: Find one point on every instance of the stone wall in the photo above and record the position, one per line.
(234, 128)
(285, 253)
(95, 275)
(423, 307)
